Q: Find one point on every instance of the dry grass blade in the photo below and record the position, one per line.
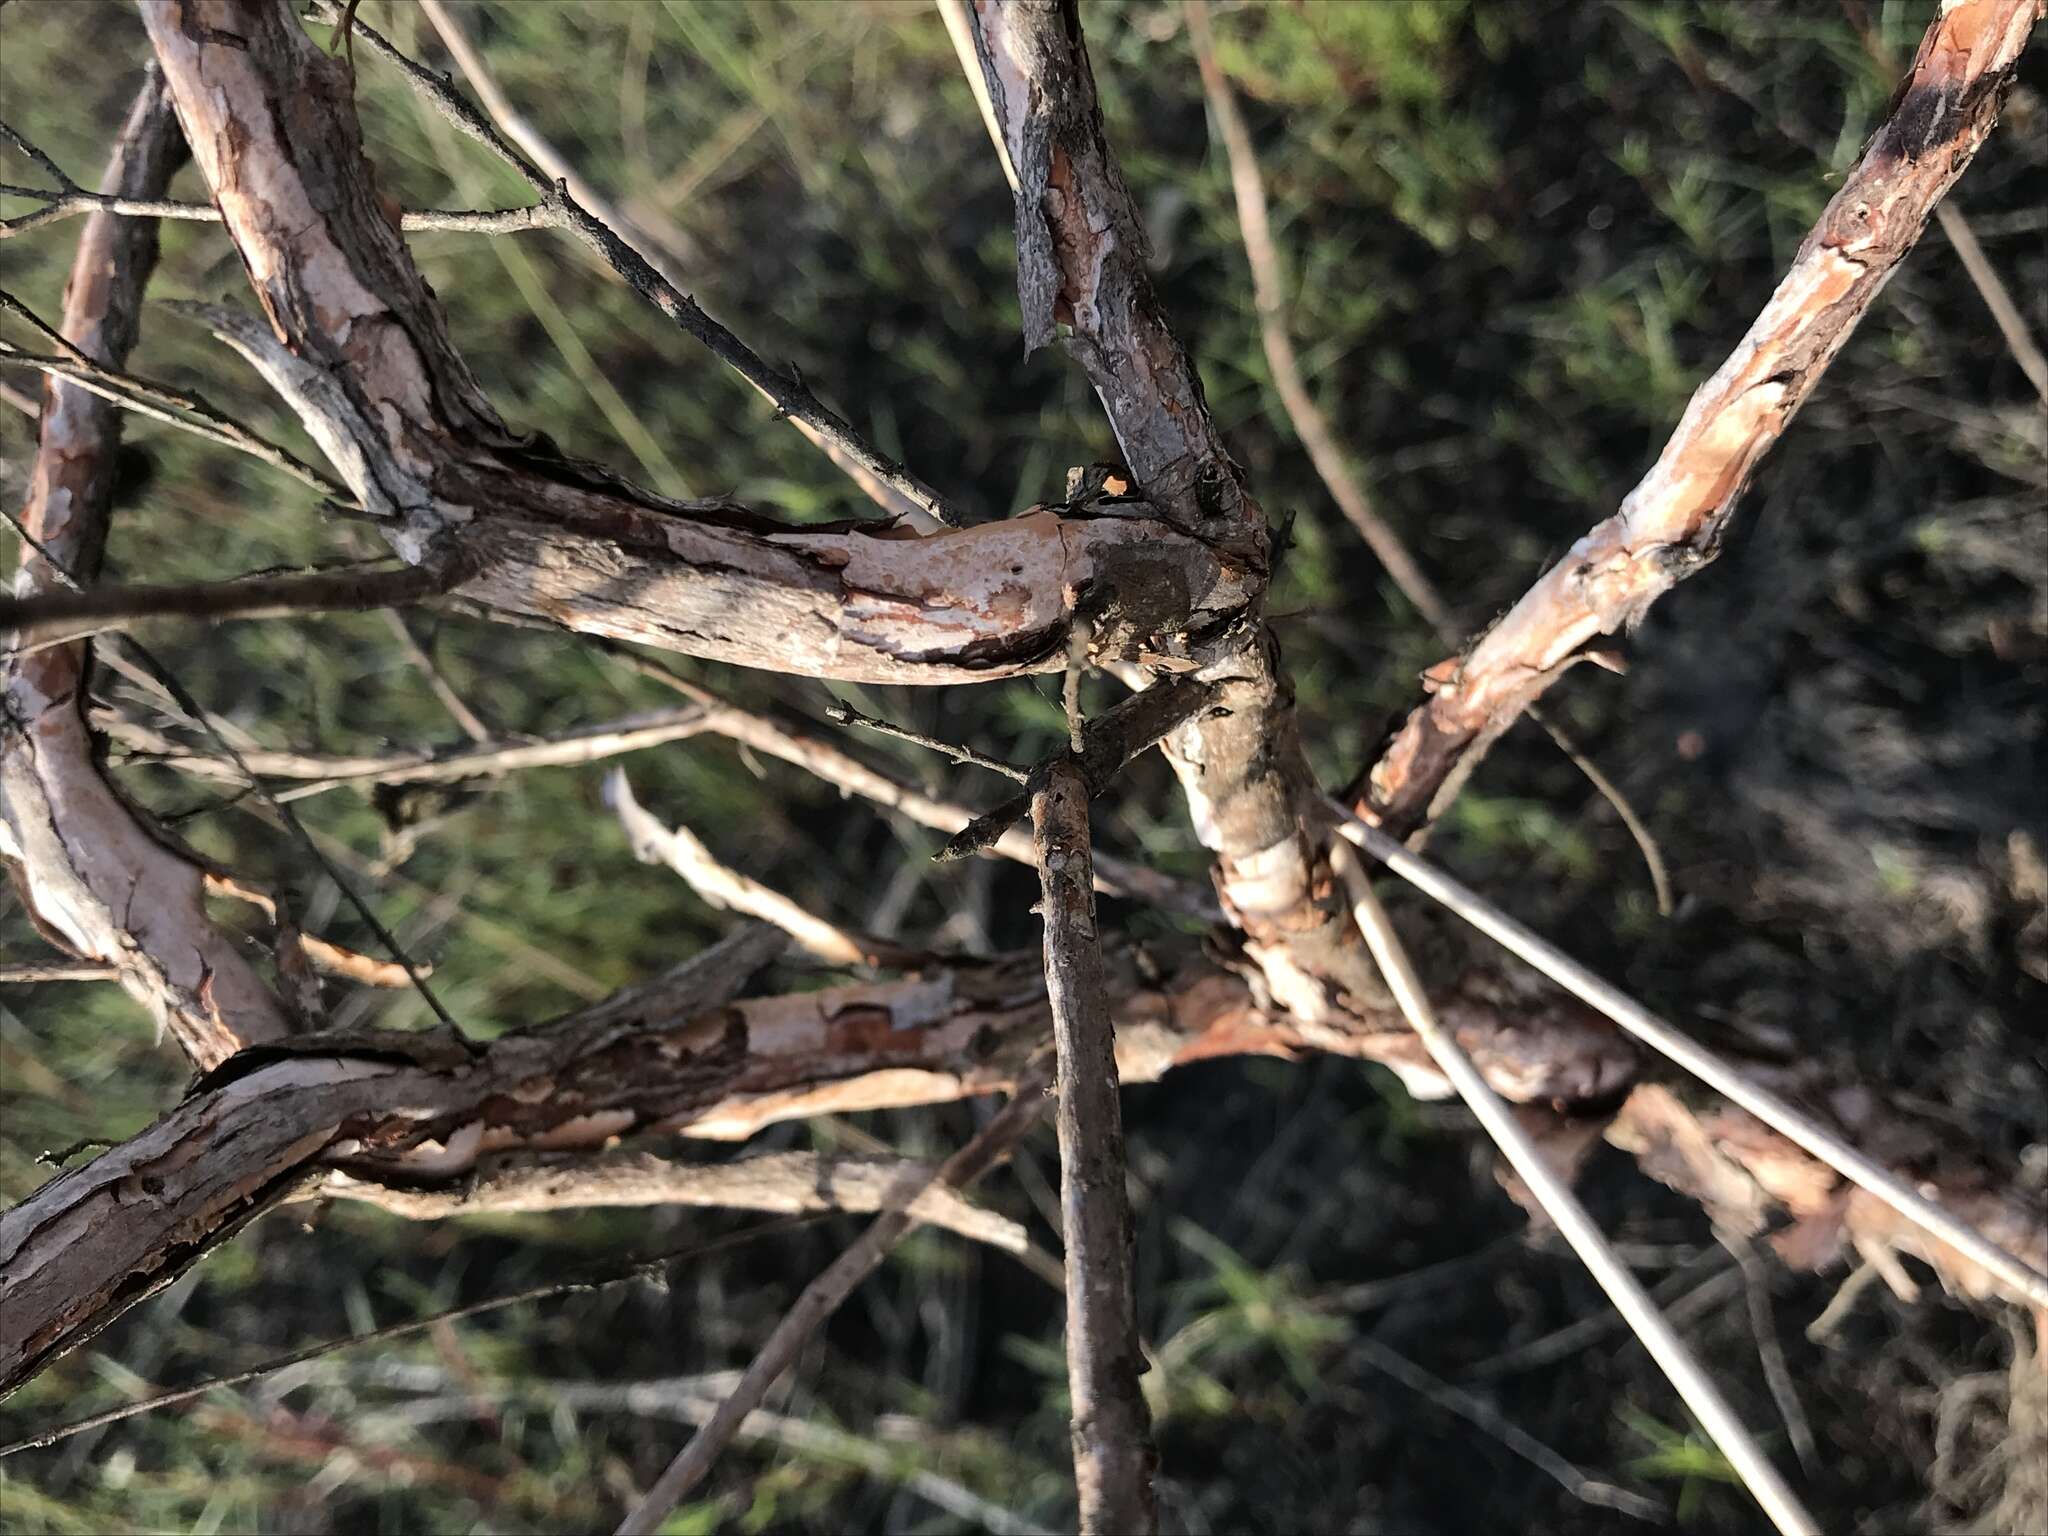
(1650, 1325)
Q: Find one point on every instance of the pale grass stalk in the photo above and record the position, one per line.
(1551, 1192)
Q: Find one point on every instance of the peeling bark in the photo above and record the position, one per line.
(98, 879)
(1673, 523)
(357, 343)
(1081, 275)
(276, 1121)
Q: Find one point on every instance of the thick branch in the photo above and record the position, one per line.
(659, 1057)
(1112, 1433)
(1672, 524)
(97, 879)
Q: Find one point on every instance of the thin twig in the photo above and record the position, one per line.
(1770, 1352)
(494, 756)
(1551, 1192)
(31, 973)
(57, 618)
(817, 754)
(792, 398)
(640, 1269)
(820, 1299)
(76, 201)
(1710, 1069)
(1485, 1417)
(845, 714)
(961, 30)
(158, 401)
(681, 849)
(458, 710)
(297, 829)
(1114, 1461)
(2012, 325)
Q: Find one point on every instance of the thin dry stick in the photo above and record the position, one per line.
(1485, 1417)
(157, 401)
(821, 1298)
(2012, 325)
(845, 714)
(30, 974)
(785, 1182)
(1114, 1460)
(1710, 1069)
(1332, 465)
(586, 744)
(1763, 1322)
(76, 201)
(682, 851)
(635, 1271)
(961, 30)
(459, 711)
(591, 220)
(827, 760)
(58, 618)
(1551, 1192)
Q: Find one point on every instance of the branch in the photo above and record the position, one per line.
(824, 757)
(667, 1055)
(820, 1299)
(59, 618)
(1114, 1460)
(884, 480)
(1673, 523)
(790, 1182)
(685, 853)
(1081, 265)
(97, 879)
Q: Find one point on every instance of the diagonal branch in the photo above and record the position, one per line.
(792, 398)
(1673, 523)
(1112, 1433)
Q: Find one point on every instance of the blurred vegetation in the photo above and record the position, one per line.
(1517, 235)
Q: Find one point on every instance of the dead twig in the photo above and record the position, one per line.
(841, 713)
(820, 1299)
(157, 401)
(1114, 1461)
(640, 1269)
(59, 618)
(819, 755)
(682, 851)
